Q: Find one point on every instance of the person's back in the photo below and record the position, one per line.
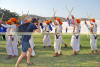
(22, 27)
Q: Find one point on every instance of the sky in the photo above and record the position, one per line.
(81, 8)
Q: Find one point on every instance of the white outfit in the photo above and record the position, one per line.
(46, 39)
(11, 46)
(75, 40)
(59, 30)
(57, 43)
(93, 40)
(32, 45)
(58, 39)
(75, 43)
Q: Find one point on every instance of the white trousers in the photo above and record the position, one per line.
(62, 41)
(11, 46)
(57, 44)
(93, 42)
(75, 43)
(47, 40)
(32, 45)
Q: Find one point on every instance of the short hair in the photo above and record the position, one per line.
(34, 20)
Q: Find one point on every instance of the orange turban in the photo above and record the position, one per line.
(8, 22)
(28, 21)
(78, 21)
(93, 20)
(59, 20)
(47, 22)
(13, 19)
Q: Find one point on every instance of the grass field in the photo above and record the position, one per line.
(44, 57)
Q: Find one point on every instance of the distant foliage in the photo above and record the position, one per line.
(6, 14)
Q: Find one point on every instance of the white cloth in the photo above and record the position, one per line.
(32, 45)
(59, 29)
(75, 43)
(58, 39)
(46, 39)
(11, 46)
(93, 42)
(94, 29)
(62, 41)
(57, 44)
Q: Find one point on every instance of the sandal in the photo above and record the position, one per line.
(30, 64)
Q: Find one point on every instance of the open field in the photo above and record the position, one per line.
(44, 57)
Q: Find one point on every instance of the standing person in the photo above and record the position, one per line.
(25, 42)
(60, 27)
(75, 40)
(93, 36)
(46, 30)
(31, 41)
(58, 37)
(32, 45)
(11, 37)
(2, 31)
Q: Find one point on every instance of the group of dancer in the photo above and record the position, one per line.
(30, 26)
(75, 40)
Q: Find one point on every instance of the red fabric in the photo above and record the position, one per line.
(74, 28)
(73, 21)
(92, 28)
(93, 20)
(78, 21)
(59, 20)
(8, 22)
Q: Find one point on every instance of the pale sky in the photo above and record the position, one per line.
(45, 7)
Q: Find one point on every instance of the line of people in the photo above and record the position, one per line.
(31, 25)
(75, 40)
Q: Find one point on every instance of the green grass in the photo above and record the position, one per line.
(44, 57)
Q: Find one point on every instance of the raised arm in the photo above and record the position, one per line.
(89, 28)
(8, 26)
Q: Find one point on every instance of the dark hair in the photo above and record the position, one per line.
(34, 20)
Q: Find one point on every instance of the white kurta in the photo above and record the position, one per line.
(58, 39)
(11, 46)
(75, 40)
(57, 43)
(93, 41)
(75, 43)
(57, 46)
(46, 39)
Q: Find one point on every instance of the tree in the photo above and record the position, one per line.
(6, 14)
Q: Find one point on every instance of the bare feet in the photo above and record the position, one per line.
(16, 66)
